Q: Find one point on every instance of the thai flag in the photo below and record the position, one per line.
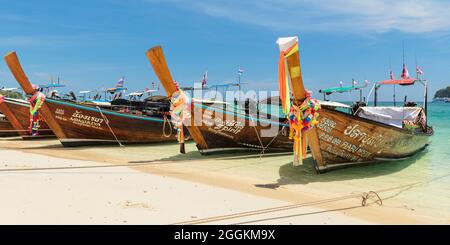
(419, 70)
(391, 75)
(240, 71)
(120, 83)
(205, 78)
(405, 73)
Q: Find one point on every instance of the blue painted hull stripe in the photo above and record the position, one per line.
(160, 120)
(105, 111)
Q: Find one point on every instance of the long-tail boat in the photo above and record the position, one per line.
(17, 111)
(77, 124)
(371, 134)
(223, 126)
(6, 129)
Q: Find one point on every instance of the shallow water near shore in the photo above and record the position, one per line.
(430, 170)
(428, 200)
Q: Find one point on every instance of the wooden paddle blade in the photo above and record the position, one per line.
(16, 69)
(156, 57)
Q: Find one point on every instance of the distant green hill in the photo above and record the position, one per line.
(443, 93)
(12, 94)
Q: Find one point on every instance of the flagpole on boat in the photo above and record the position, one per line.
(391, 77)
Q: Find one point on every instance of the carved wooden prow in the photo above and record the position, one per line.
(16, 69)
(156, 57)
(299, 91)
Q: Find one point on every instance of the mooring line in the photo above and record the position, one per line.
(164, 127)
(110, 129)
(81, 167)
(365, 196)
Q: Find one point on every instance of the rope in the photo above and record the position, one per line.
(365, 197)
(79, 167)
(110, 129)
(264, 148)
(164, 127)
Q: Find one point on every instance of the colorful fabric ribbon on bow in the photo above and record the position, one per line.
(179, 112)
(283, 78)
(36, 102)
(1, 98)
(301, 119)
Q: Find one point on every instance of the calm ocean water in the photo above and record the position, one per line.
(432, 168)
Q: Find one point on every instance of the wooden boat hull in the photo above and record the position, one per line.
(18, 114)
(6, 129)
(342, 139)
(88, 125)
(224, 130)
(210, 136)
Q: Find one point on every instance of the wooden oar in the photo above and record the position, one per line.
(156, 57)
(16, 69)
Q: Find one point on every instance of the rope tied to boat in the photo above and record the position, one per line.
(36, 102)
(264, 148)
(301, 119)
(179, 113)
(110, 129)
(166, 121)
(367, 196)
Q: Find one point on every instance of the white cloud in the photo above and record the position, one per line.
(368, 16)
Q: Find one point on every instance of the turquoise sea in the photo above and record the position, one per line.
(420, 184)
(430, 169)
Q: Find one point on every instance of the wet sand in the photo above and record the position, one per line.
(154, 184)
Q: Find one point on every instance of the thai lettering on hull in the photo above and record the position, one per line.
(83, 120)
(354, 132)
(221, 126)
(352, 144)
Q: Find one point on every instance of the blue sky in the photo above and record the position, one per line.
(91, 44)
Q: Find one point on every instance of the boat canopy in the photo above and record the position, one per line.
(339, 89)
(100, 102)
(390, 115)
(404, 82)
(208, 101)
(136, 94)
(333, 104)
(216, 86)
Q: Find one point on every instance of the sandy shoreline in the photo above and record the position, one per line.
(163, 187)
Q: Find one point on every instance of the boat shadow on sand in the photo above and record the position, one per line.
(304, 174)
(196, 155)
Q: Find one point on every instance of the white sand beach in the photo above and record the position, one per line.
(153, 184)
(121, 195)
